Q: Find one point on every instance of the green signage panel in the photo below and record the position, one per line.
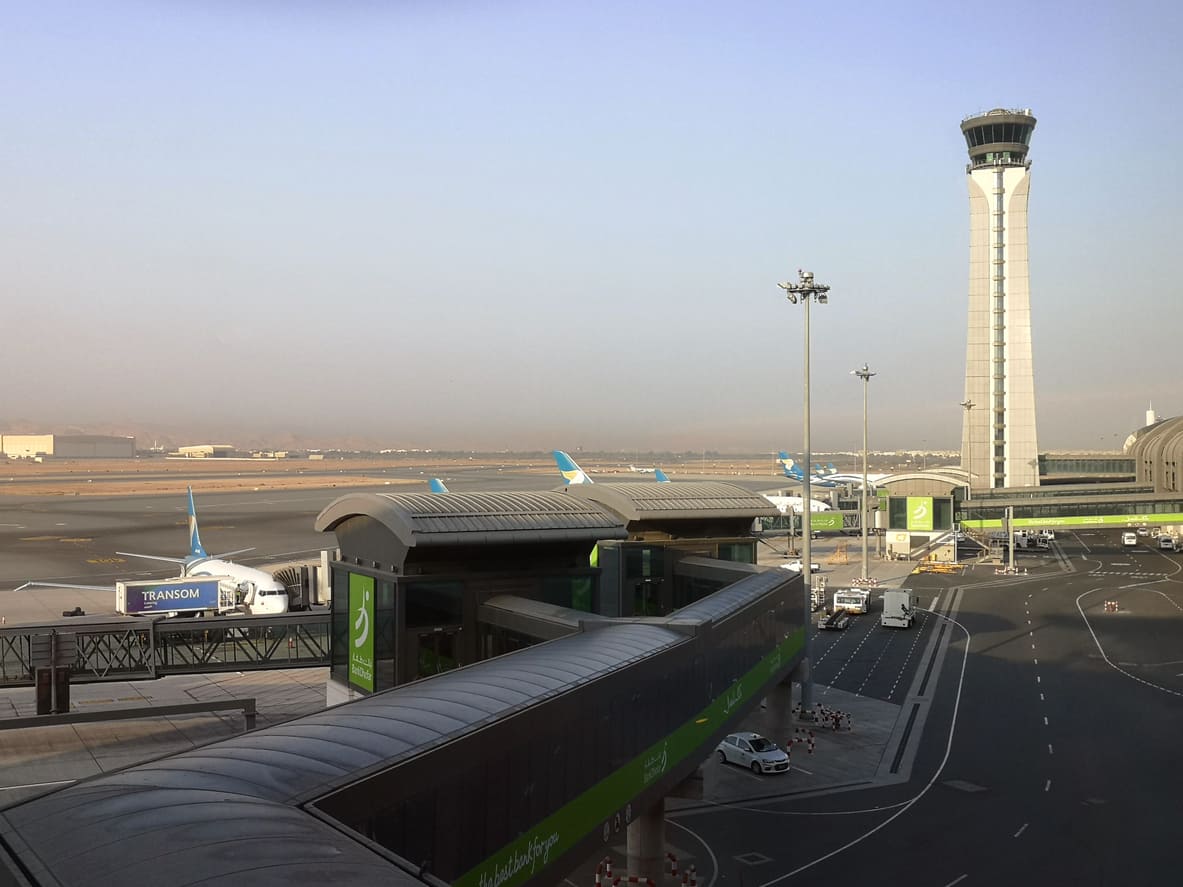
(920, 513)
(826, 520)
(361, 631)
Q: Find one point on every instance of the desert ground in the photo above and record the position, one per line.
(139, 476)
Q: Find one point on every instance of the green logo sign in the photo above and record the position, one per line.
(361, 631)
(920, 513)
(826, 520)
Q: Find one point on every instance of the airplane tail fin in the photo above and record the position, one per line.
(790, 467)
(830, 469)
(572, 473)
(195, 548)
(437, 486)
(660, 476)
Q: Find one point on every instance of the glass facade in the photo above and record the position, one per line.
(996, 133)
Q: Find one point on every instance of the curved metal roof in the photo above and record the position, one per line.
(731, 599)
(476, 518)
(679, 501)
(227, 813)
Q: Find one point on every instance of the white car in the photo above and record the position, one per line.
(796, 566)
(755, 751)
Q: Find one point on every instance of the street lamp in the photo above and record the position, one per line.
(865, 374)
(806, 291)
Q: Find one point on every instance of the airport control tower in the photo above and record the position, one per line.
(998, 442)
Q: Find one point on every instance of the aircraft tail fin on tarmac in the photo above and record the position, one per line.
(437, 486)
(195, 548)
(572, 473)
(660, 476)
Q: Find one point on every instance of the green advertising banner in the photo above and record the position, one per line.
(920, 513)
(361, 631)
(826, 520)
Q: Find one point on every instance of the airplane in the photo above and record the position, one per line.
(436, 485)
(260, 593)
(573, 474)
(791, 470)
(636, 470)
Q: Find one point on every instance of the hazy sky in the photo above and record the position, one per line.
(534, 224)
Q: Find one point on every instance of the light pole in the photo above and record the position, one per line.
(805, 291)
(969, 448)
(865, 374)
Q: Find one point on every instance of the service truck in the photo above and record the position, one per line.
(186, 596)
(852, 600)
(899, 609)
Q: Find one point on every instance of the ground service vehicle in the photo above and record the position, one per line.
(852, 600)
(175, 597)
(755, 751)
(1166, 543)
(899, 609)
(836, 621)
(1129, 539)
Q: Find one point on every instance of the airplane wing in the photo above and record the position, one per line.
(32, 584)
(154, 557)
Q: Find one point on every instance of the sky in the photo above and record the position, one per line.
(525, 225)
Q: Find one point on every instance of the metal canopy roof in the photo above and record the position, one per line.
(676, 501)
(418, 519)
(230, 812)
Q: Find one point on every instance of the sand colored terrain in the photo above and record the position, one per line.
(114, 477)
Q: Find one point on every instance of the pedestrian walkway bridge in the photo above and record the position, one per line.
(132, 648)
(504, 773)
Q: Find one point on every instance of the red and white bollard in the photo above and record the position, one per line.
(673, 864)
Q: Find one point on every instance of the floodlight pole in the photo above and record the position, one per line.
(969, 447)
(805, 291)
(865, 374)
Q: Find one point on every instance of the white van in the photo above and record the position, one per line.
(1129, 539)
(1166, 543)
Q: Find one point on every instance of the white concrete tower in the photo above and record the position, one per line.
(998, 433)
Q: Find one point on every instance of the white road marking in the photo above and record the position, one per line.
(8, 788)
(1050, 750)
(1045, 720)
(1037, 680)
(1041, 699)
(958, 881)
(1047, 787)
(1037, 662)
(1023, 829)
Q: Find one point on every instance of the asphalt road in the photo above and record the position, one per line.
(1048, 735)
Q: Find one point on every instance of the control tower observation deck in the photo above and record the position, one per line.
(998, 440)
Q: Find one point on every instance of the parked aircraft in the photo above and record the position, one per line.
(636, 470)
(573, 474)
(258, 591)
(792, 470)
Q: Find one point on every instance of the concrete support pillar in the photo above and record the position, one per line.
(646, 843)
(778, 713)
(801, 674)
